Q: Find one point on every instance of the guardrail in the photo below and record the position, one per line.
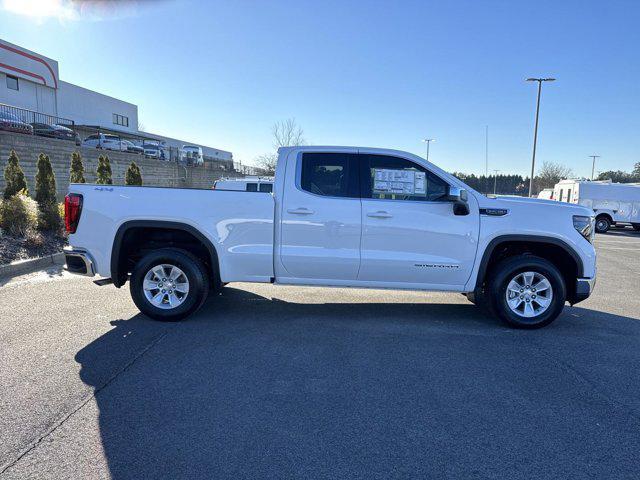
(29, 116)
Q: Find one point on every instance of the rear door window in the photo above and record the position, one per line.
(329, 174)
(266, 187)
(252, 187)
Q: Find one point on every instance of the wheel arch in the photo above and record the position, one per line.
(605, 214)
(535, 243)
(118, 267)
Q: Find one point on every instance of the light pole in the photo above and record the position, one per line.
(593, 165)
(495, 180)
(428, 141)
(486, 150)
(535, 131)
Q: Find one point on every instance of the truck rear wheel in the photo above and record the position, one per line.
(527, 291)
(169, 284)
(603, 224)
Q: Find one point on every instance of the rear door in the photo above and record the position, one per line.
(410, 234)
(321, 217)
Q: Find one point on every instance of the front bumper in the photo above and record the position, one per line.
(79, 262)
(584, 288)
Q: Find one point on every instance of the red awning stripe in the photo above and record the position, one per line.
(32, 57)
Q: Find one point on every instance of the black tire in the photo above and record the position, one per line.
(636, 226)
(193, 269)
(603, 224)
(506, 270)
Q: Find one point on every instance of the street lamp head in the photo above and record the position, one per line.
(427, 140)
(541, 79)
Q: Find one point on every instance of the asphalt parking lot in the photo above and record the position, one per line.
(280, 382)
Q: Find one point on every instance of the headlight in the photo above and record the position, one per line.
(585, 226)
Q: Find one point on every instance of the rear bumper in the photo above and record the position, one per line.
(79, 262)
(584, 288)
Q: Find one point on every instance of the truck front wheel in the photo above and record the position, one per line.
(169, 284)
(527, 291)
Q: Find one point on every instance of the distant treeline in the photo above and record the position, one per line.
(504, 184)
(622, 177)
(548, 175)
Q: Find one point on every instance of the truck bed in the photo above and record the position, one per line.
(238, 224)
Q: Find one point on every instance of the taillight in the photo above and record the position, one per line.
(72, 211)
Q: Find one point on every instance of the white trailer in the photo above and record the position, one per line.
(613, 203)
(546, 194)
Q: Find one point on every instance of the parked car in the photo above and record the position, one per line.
(154, 150)
(192, 155)
(339, 216)
(11, 123)
(131, 148)
(614, 204)
(104, 141)
(246, 184)
(55, 131)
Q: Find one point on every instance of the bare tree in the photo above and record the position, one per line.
(550, 174)
(268, 162)
(286, 133)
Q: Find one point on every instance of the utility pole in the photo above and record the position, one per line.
(535, 131)
(593, 165)
(486, 150)
(495, 180)
(428, 141)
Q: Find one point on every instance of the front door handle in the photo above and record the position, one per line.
(379, 214)
(300, 211)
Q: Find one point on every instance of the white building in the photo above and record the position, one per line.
(30, 81)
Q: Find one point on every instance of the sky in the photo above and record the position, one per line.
(371, 73)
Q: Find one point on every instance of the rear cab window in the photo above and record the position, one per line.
(329, 174)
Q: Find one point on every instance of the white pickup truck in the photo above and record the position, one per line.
(338, 216)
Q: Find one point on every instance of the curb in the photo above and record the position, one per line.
(31, 265)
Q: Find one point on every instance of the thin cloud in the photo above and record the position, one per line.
(74, 10)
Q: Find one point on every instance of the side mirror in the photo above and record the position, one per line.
(459, 197)
(457, 194)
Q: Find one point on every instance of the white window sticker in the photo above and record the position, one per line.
(404, 182)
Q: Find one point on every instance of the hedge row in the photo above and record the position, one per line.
(23, 216)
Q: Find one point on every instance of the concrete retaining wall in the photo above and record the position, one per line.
(154, 172)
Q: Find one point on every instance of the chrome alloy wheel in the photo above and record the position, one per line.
(529, 294)
(166, 286)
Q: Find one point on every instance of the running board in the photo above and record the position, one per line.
(103, 281)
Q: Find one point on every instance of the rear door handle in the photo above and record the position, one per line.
(300, 211)
(379, 214)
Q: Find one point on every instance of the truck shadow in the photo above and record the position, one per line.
(253, 387)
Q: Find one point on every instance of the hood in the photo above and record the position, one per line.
(516, 204)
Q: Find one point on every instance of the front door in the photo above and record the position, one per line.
(321, 217)
(410, 234)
